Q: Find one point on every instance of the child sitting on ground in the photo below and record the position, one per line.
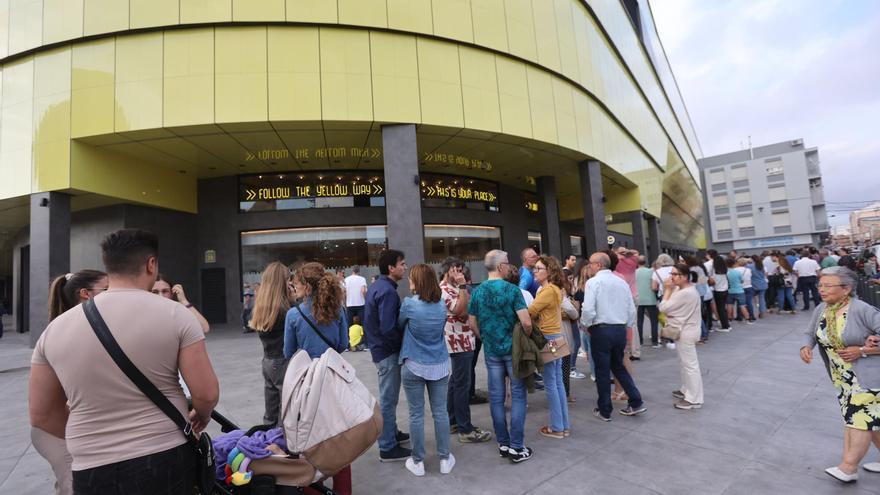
(356, 335)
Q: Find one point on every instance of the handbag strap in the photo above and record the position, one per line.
(315, 328)
(133, 373)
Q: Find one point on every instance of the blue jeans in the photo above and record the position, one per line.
(608, 343)
(750, 302)
(458, 398)
(807, 285)
(762, 301)
(585, 340)
(575, 344)
(498, 368)
(556, 397)
(389, 394)
(786, 291)
(414, 387)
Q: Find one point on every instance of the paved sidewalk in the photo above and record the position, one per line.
(770, 425)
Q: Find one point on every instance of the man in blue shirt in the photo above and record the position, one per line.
(384, 338)
(607, 311)
(526, 279)
(495, 308)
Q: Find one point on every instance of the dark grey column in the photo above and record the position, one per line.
(549, 212)
(403, 202)
(654, 236)
(638, 225)
(593, 200)
(515, 231)
(49, 251)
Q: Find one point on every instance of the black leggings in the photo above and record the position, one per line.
(721, 304)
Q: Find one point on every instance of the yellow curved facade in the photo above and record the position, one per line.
(137, 100)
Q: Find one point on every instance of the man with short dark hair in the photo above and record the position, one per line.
(119, 440)
(807, 271)
(384, 338)
(570, 262)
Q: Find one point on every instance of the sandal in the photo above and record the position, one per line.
(567, 433)
(547, 432)
(571, 399)
(619, 396)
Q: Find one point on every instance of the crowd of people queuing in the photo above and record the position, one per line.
(532, 323)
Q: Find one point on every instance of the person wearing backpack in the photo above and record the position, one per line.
(425, 365)
(321, 309)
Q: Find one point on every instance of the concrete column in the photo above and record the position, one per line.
(548, 209)
(515, 231)
(593, 201)
(49, 253)
(403, 202)
(638, 225)
(654, 237)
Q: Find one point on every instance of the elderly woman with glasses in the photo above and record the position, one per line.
(682, 305)
(845, 329)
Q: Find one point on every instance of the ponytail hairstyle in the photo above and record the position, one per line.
(684, 269)
(327, 298)
(272, 301)
(64, 291)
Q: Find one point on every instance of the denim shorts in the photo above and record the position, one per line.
(736, 298)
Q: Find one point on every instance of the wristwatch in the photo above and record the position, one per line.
(862, 351)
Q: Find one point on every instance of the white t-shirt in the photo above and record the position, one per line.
(354, 285)
(528, 296)
(805, 267)
(660, 276)
(710, 272)
(746, 277)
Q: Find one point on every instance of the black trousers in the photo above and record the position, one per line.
(721, 304)
(171, 472)
(654, 316)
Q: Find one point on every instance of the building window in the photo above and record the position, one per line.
(747, 232)
(775, 179)
(743, 197)
(774, 170)
(722, 210)
(469, 243)
(719, 187)
(576, 241)
(782, 230)
(777, 194)
(725, 234)
(745, 222)
(716, 176)
(781, 219)
(744, 209)
(720, 200)
(739, 172)
(722, 224)
(740, 183)
(535, 241)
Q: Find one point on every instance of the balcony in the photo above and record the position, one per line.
(817, 192)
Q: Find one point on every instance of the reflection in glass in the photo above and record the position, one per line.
(466, 242)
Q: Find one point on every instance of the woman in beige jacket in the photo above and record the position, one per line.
(681, 304)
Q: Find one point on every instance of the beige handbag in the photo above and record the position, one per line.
(555, 349)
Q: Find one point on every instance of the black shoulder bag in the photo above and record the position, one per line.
(202, 445)
(325, 339)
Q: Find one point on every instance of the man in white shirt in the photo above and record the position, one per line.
(355, 290)
(807, 271)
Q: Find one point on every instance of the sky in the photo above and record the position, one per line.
(777, 70)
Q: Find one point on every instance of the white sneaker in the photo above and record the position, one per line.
(723, 330)
(582, 354)
(416, 468)
(670, 345)
(577, 375)
(446, 465)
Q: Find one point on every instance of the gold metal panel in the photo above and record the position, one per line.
(410, 15)
(395, 71)
(566, 128)
(4, 28)
(188, 152)
(152, 157)
(439, 83)
(195, 11)
(258, 10)
(479, 86)
(582, 44)
(521, 29)
(294, 74)
(565, 35)
(52, 120)
(363, 12)
(309, 140)
(320, 11)
(151, 13)
(581, 106)
(513, 91)
(346, 89)
(265, 147)
(241, 78)
(16, 133)
(452, 19)
(25, 24)
(104, 16)
(92, 96)
(545, 34)
(490, 27)
(62, 20)
(541, 105)
(138, 82)
(188, 77)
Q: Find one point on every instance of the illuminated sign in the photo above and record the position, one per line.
(450, 191)
(298, 190)
(532, 206)
(452, 159)
(532, 202)
(305, 154)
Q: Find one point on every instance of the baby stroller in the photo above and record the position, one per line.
(272, 476)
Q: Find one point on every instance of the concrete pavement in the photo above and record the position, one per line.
(770, 425)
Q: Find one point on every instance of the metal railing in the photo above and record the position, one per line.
(870, 293)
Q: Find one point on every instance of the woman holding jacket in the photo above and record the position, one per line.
(682, 306)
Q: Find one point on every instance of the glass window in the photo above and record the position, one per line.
(716, 176)
(722, 224)
(777, 194)
(303, 190)
(469, 243)
(576, 242)
(739, 173)
(743, 197)
(335, 247)
(535, 241)
(721, 200)
(745, 222)
(781, 219)
(775, 170)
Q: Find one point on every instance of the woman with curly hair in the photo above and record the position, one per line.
(546, 310)
(321, 309)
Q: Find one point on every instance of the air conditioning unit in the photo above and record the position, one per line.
(796, 142)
